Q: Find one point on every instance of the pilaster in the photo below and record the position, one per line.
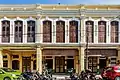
(67, 31)
(81, 58)
(54, 31)
(76, 63)
(53, 62)
(11, 31)
(1, 59)
(39, 59)
(24, 35)
(9, 61)
(20, 60)
(118, 57)
(38, 30)
(82, 31)
(25, 31)
(95, 31)
(0, 32)
(107, 32)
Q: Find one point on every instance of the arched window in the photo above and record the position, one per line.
(6, 31)
(30, 31)
(60, 31)
(73, 31)
(114, 31)
(47, 31)
(102, 31)
(90, 31)
(18, 31)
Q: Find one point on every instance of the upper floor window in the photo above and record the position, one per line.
(47, 31)
(114, 31)
(102, 31)
(60, 31)
(90, 31)
(30, 31)
(73, 31)
(5, 31)
(18, 31)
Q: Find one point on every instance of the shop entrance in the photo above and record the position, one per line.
(59, 64)
(26, 64)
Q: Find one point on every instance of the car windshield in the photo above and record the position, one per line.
(8, 70)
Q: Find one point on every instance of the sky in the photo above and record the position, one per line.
(60, 1)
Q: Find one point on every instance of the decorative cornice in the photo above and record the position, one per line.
(63, 10)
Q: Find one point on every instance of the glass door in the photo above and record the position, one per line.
(92, 63)
(60, 64)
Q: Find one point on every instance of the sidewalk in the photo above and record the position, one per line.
(61, 77)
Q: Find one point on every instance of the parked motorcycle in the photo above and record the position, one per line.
(87, 75)
(73, 76)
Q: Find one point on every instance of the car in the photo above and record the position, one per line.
(9, 74)
(111, 73)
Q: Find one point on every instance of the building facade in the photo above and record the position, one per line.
(31, 35)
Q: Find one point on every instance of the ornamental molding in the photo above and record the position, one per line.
(89, 19)
(30, 18)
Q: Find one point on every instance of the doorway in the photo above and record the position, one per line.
(60, 64)
(15, 64)
(102, 63)
(26, 64)
(92, 63)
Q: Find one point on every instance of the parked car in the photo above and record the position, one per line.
(112, 72)
(8, 74)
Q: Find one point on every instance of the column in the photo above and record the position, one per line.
(20, 60)
(9, 60)
(39, 59)
(38, 30)
(1, 59)
(81, 58)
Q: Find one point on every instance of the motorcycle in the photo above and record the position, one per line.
(87, 75)
(72, 74)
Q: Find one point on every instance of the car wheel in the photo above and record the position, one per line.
(7, 78)
(117, 78)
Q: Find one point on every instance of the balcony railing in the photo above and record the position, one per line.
(18, 39)
(30, 39)
(6, 39)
